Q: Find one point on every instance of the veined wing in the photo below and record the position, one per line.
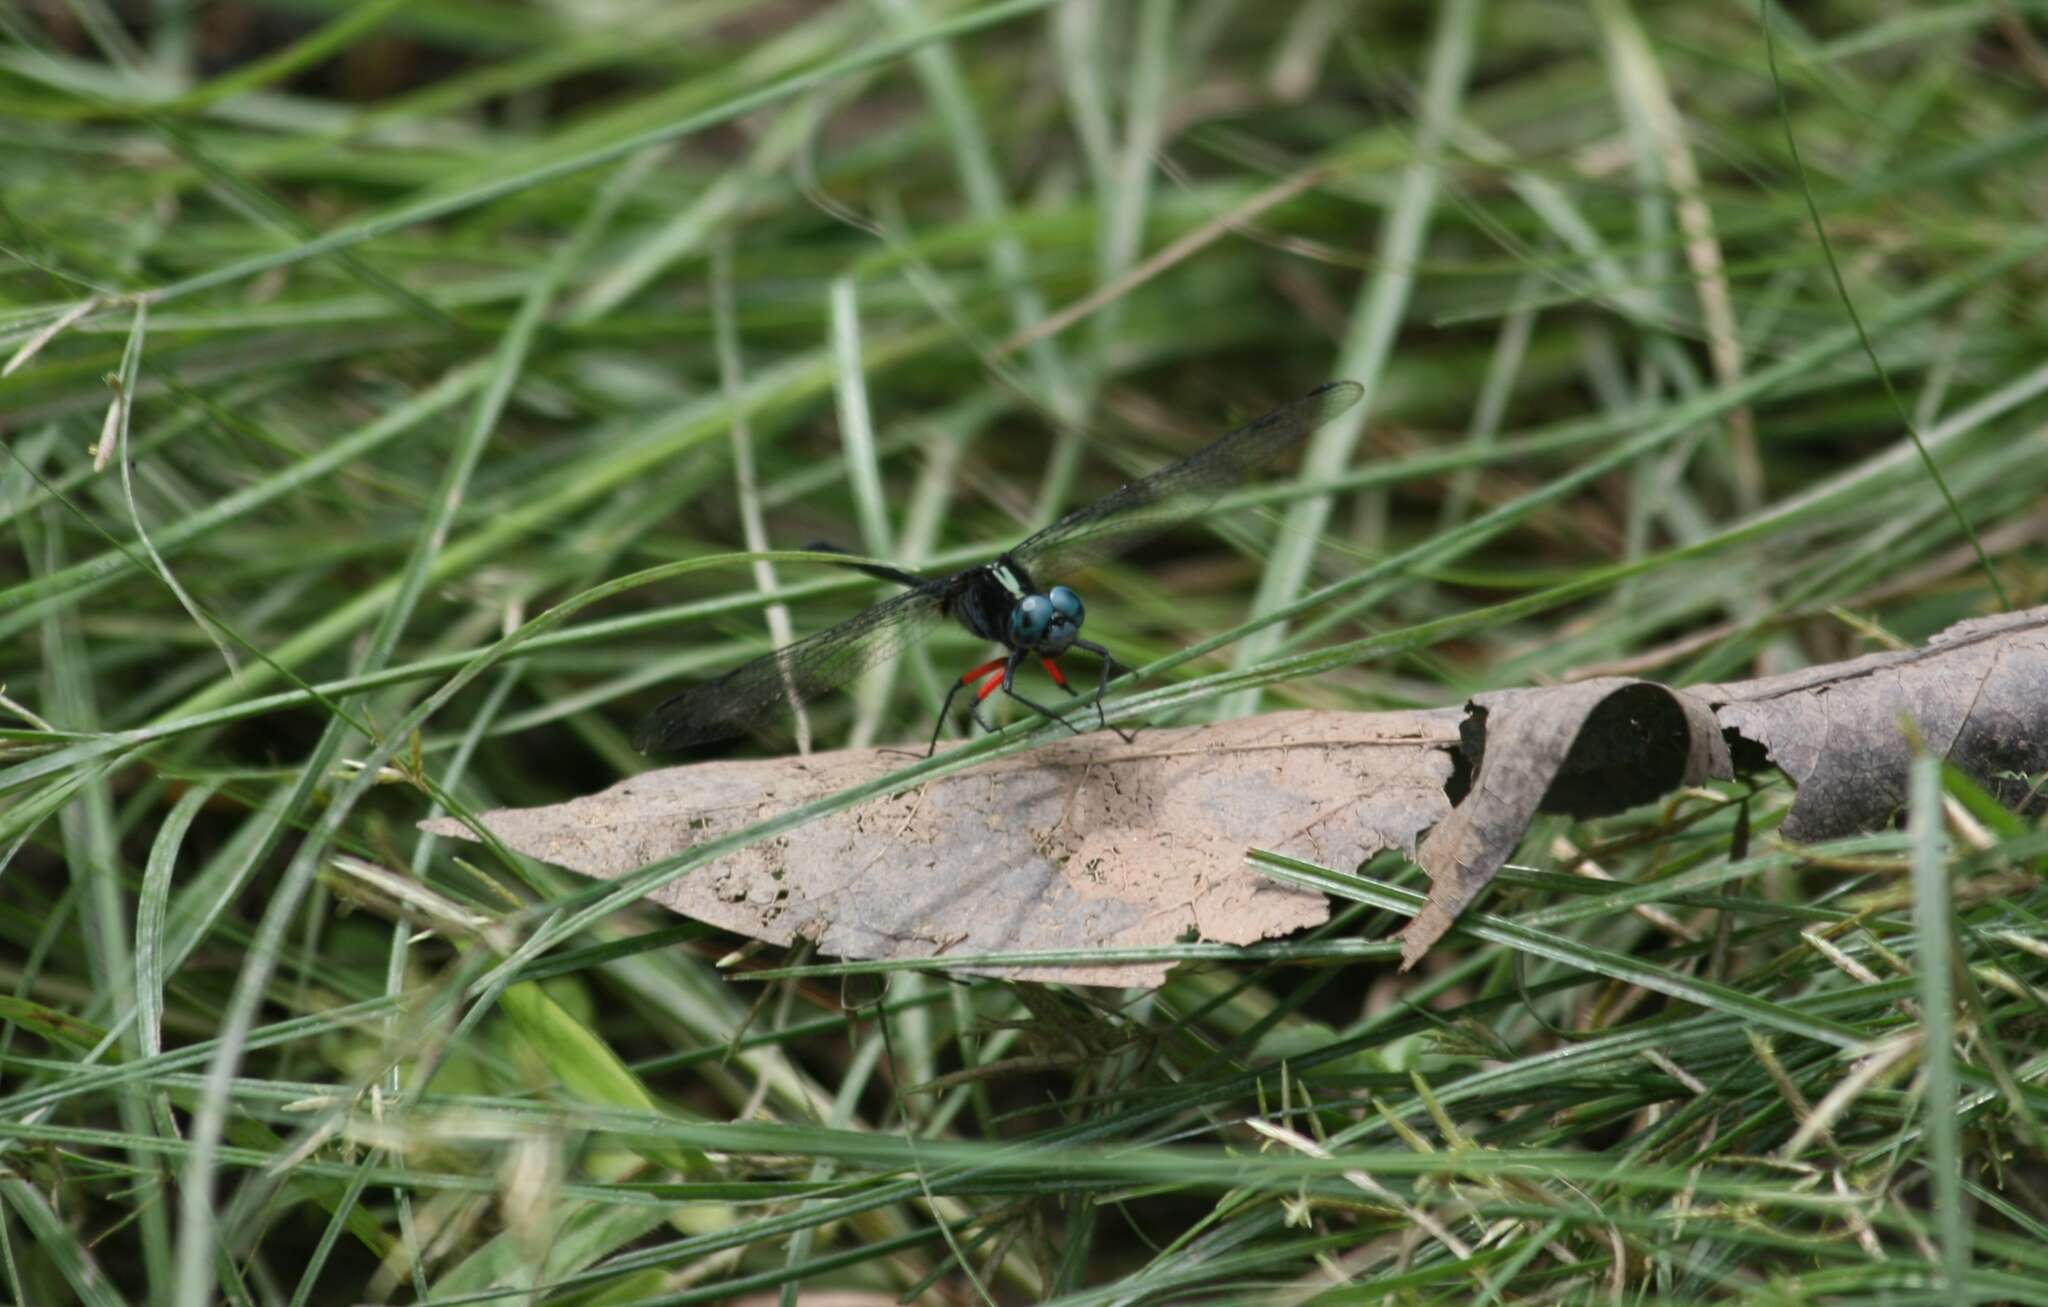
(1177, 491)
(755, 692)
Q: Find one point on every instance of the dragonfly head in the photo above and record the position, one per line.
(1046, 624)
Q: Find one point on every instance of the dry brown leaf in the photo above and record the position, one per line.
(1086, 843)
(1588, 749)
(1977, 694)
(1089, 843)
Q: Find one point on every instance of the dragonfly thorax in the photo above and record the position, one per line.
(1046, 624)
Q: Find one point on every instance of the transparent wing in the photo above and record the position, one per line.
(755, 692)
(1177, 491)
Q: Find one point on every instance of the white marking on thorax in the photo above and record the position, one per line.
(1008, 580)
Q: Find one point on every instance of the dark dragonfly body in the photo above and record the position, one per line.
(1000, 601)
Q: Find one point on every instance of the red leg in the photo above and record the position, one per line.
(1059, 677)
(994, 681)
(992, 665)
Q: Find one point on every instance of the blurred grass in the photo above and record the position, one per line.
(431, 318)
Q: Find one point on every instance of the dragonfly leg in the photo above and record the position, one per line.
(988, 687)
(1059, 677)
(945, 711)
(1009, 684)
(1109, 665)
(988, 669)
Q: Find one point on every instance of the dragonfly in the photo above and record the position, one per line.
(1000, 601)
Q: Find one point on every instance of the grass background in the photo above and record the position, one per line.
(402, 325)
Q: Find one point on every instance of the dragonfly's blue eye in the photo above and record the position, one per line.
(1029, 620)
(1049, 622)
